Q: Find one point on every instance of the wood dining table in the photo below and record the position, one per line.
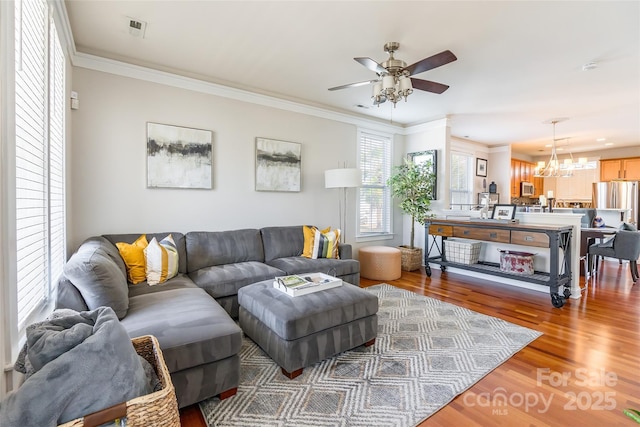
(588, 236)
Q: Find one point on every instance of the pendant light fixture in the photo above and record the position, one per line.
(551, 169)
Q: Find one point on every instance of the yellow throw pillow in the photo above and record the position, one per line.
(161, 259)
(309, 236)
(133, 256)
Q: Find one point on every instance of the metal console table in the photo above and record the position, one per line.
(548, 236)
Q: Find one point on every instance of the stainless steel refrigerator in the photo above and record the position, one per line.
(617, 195)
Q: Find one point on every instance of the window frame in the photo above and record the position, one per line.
(387, 207)
(53, 55)
(470, 174)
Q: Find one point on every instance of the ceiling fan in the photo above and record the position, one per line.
(394, 77)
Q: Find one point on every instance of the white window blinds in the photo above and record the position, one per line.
(461, 180)
(39, 117)
(374, 207)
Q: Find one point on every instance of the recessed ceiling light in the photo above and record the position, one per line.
(601, 139)
(549, 145)
(608, 144)
(559, 149)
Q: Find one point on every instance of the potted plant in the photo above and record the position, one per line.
(413, 184)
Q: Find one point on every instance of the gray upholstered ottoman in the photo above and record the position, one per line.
(297, 332)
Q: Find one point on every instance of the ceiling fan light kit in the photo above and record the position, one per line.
(394, 80)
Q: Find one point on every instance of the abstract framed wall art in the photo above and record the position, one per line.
(278, 165)
(178, 157)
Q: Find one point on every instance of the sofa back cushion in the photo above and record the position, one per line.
(93, 271)
(210, 248)
(178, 238)
(282, 242)
(68, 296)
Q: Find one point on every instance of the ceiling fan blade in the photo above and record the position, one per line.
(372, 65)
(428, 86)
(368, 82)
(431, 62)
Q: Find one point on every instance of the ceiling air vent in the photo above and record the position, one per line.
(135, 26)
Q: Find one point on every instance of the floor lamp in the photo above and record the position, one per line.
(342, 178)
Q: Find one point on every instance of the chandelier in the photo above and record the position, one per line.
(393, 87)
(553, 169)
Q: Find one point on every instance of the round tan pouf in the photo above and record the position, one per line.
(380, 263)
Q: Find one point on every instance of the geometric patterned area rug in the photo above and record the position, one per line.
(426, 353)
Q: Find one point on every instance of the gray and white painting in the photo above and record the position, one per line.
(178, 157)
(277, 165)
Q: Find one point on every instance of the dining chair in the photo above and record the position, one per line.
(625, 245)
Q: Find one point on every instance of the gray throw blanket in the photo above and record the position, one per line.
(75, 364)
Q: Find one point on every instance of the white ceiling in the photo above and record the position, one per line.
(519, 62)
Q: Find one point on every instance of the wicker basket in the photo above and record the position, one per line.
(158, 409)
(411, 259)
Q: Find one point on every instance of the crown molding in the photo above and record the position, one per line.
(98, 63)
(424, 127)
(120, 68)
(63, 27)
(500, 149)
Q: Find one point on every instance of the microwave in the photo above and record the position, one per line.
(526, 189)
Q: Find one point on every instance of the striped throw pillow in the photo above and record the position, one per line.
(161, 259)
(325, 244)
(309, 239)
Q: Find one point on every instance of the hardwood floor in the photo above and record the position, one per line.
(584, 370)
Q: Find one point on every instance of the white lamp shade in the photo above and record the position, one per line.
(377, 89)
(388, 82)
(405, 84)
(342, 178)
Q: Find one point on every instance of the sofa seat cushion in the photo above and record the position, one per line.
(225, 280)
(292, 318)
(192, 328)
(333, 267)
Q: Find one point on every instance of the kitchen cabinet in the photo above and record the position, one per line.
(627, 169)
(515, 178)
(538, 186)
(522, 171)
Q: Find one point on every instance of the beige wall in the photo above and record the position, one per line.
(434, 136)
(108, 170)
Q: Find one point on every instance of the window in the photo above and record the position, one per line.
(374, 206)
(461, 180)
(39, 157)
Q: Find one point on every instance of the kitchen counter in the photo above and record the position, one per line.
(612, 217)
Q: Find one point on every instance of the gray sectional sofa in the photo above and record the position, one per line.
(192, 314)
